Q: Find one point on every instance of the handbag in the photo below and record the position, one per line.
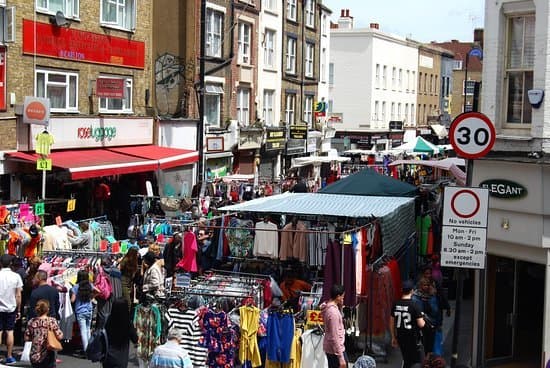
(53, 343)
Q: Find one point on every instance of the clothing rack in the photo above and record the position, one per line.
(77, 252)
(241, 274)
(97, 218)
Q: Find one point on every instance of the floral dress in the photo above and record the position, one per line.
(37, 332)
(220, 338)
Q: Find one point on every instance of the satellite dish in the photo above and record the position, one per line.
(59, 19)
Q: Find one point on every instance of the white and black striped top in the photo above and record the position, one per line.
(187, 324)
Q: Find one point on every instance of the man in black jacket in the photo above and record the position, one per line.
(44, 291)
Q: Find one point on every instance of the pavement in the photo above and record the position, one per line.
(392, 360)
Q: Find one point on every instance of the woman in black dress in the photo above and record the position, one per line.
(120, 331)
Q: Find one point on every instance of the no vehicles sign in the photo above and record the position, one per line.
(464, 233)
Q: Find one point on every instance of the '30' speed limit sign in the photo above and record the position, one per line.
(472, 135)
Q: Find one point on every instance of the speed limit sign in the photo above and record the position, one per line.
(472, 135)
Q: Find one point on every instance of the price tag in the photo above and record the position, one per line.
(71, 205)
(44, 164)
(314, 317)
(39, 209)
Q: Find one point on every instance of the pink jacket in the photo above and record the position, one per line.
(189, 261)
(334, 329)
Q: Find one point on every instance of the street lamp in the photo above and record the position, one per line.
(477, 52)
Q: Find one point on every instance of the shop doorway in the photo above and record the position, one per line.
(515, 302)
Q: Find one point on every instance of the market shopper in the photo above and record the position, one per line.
(129, 268)
(10, 303)
(120, 331)
(333, 343)
(426, 301)
(81, 296)
(84, 240)
(153, 276)
(37, 332)
(46, 292)
(171, 354)
(406, 320)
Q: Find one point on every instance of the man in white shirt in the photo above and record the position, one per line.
(10, 303)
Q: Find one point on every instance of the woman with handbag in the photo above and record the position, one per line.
(45, 335)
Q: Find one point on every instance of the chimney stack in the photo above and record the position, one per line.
(374, 26)
(345, 21)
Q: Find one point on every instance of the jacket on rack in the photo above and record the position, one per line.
(293, 242)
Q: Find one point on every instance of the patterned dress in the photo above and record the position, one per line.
(37, 332)
(220, 338)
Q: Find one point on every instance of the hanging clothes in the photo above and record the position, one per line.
(295, 354)
(249, 325)
(293, 241)
(187, 324)
(266, 240)
(190, 248)
(240, 237)
(333, 267)
(148, 324)
(313, 355)
(220, 338)
(280, 333)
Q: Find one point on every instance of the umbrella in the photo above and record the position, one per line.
(418, 144)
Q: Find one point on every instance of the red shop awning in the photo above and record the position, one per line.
(167, 157)
(91, 163)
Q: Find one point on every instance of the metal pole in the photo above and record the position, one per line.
(459, 287)
(465, 83)
(43, 184)
(200, 130)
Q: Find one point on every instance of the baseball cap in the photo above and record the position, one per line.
(407, 286)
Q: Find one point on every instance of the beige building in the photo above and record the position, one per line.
(429, 86)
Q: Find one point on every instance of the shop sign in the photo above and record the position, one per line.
(311, 145)
(36, 110)
(96, 132)
(298, 131)
(314, 318)
(99, 134)
(335, 118)
(275, 140)
(250, 139)
(3, 79)
(295, 146)
(215, 144)
(505, 189)
(44, 39)
(110, 87)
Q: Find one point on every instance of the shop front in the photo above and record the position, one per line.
(296, 144)
(512, 295)
(248, 150)
(270, 154)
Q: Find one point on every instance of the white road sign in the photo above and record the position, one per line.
(472, 135)
(464, 233)
(465, 206)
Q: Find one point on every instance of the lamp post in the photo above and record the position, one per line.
(477, 52)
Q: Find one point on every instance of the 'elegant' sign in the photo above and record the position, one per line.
(501, 188)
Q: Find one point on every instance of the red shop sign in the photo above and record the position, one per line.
(72, 44)
(110, 87)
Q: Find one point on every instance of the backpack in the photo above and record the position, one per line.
(103, 284)
(98, 346)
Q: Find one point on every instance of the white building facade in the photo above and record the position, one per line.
(512, 294)
(373, 82)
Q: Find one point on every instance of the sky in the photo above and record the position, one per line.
(421, 20)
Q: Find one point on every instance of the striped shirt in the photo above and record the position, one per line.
(170, 355)
(187, 324)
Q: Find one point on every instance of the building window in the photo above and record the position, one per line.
(392, 111)
(244, 43)
(383, 118)
(406, 115)
(457, 64)
(270, 5)
(60, 87)
(436, 83)
(384, 77)
(118, 105)
(269, 48)
(413, 81)
(412, 113)
(214, 24)
(308, 110)
(331, 73)
(519, 68)
(269, 101)
(291, 55)
(7, 24)
(468, 87)
(310, 53)
(118, 13)
(393, 78)
(323, 71)
(68, 7)
(377, 76)
(408, 81)
(310, 13)
(399, 117)
(243, 106)
(376, 111)
(212, 104)
(290, 108)
(324, 22)
(291, 9)
(400, 80)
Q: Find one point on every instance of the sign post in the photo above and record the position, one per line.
(472, 135)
